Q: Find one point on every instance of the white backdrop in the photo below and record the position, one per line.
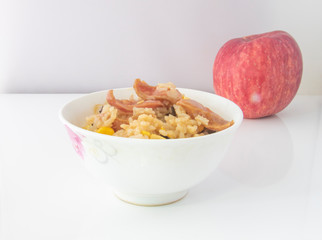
(89, 45)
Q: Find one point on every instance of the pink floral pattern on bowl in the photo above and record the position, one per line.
(76, 142)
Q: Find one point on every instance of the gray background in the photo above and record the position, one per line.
(84, 46)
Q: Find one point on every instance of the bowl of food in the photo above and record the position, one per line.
(151, 144)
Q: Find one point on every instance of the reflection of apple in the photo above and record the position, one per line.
(261, 152)
(260, 73)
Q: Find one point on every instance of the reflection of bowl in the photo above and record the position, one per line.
(257, 157)
(149, 171)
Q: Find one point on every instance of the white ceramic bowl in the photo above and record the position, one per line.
(149, 171)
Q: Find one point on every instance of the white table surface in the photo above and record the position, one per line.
(269, 186)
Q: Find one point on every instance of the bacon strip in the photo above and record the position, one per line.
(165, 95)
(126, 106)
(118, 122)
(149, 104)
(193, 108)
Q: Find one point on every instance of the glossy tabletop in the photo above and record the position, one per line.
(269, 185)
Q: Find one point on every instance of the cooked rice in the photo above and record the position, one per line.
(163, 122)
(155, 112)
(104, 116)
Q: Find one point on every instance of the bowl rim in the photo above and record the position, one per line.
(85, 132)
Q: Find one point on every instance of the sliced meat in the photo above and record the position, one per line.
(167, 94)
(193, 108)
(149, 104)
(118, 122)
(126, 106)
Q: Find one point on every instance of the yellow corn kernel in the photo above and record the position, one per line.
(87, 127)
(200, 128)
(184, 97)
(105, 130)
(146, 133)
(162, 128)
(154, 136)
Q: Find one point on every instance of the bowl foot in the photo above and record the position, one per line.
(150, 200)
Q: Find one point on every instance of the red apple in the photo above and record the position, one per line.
(260, 73)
